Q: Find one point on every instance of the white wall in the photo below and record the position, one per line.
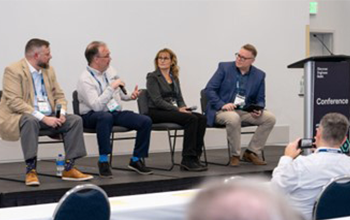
(334, 16)
(202, 33)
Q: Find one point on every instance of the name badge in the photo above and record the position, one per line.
(239, 100)
(43, 106)
(112, 105)
(174, 103)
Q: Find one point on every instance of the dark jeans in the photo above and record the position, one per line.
(194, 128)
(103, 122)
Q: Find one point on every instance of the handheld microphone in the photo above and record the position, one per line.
(192, 108)
(123, 89)
(58, 110)
(324, 45)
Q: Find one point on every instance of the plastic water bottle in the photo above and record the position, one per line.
(59, 165)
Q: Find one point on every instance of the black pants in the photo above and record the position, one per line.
(194, 124)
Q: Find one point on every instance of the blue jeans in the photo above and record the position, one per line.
(103, 122)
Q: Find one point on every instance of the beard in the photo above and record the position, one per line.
(43, 65)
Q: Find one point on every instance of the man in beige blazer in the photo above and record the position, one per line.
(31, 94)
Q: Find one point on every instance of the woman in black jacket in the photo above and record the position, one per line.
(166, 104)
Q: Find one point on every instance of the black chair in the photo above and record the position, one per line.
(171, 128)
(204, 102)
(333, 200)
(115, 129)
(88, 202)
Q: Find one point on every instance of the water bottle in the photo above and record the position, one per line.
(59, 165)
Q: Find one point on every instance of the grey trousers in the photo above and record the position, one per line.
(233, 119)
(71, 130)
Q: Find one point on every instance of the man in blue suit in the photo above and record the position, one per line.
(235, 93)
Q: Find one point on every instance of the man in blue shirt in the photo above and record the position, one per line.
(234, 87)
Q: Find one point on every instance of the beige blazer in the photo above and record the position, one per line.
(18, 97)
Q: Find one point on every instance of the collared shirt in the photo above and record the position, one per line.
(302, 179)
(39, 91)
(90, 96)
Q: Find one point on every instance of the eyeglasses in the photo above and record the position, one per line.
(239, 56)
(163, 58)
(106, 56)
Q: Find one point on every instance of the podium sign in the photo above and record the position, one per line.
(327, 89)
(331, 90)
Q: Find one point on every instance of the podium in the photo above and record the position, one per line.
(326, 89)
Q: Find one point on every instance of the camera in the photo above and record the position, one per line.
(306, 143)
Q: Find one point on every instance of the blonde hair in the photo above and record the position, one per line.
(174, 68)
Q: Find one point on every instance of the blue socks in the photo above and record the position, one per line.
(69, 165)
(134, 159)
(30, 164)
(103, 158)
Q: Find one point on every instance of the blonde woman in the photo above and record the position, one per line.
(166, 104)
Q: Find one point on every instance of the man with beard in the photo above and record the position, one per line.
(31, 94)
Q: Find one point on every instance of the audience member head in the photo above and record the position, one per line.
(37, 53)
(246, 57)
(166, 60)
(332, 130)
(239, 199)
(97, 55)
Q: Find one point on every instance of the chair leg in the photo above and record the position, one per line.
(172, 145)
(111, 156)
(220, 164)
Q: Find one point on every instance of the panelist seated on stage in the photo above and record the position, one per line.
(234, 88)
(166, 104)
(303, 177)
(100, 92)
(31, 94)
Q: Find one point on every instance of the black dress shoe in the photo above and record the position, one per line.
(191, 164)
(105, 170)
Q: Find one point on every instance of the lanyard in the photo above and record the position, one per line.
(98, 81)
(42, 87)
(329, 150)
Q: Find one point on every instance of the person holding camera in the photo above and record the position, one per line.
(302, 177)
(166, 104)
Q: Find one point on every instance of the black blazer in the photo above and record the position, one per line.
(160, 93)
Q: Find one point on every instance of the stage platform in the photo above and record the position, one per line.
(124, 182)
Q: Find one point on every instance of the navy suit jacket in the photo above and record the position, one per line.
(221, 88)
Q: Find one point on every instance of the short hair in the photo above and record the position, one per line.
(251, 48)
(334, 128)
(92, 50)
(240, 199)
(174, 68)
(35, 43)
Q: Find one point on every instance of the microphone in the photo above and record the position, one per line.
(123, 89)
(192, 108)
(323, 44)
(58, 110)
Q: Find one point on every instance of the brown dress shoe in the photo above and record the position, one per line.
(253, 158)
(32, 178)
(234, 161)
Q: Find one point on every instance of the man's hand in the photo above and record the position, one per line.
(62, 119)
(135, 93)
(256, 113)
(52, 121)
(228, 107)
(116, 83)
(292, 149)
(184, 110)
